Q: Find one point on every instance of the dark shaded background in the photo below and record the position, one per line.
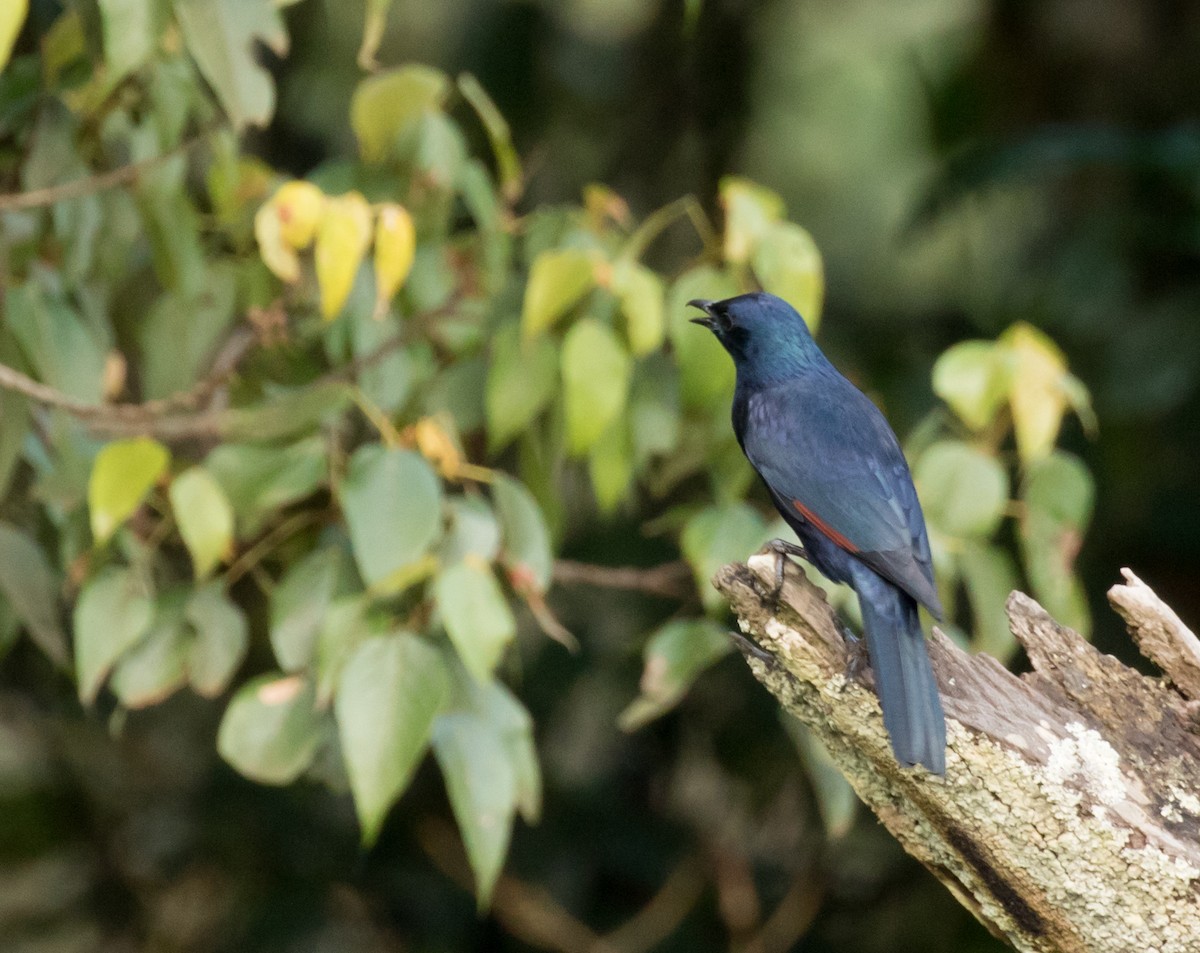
(962, 165)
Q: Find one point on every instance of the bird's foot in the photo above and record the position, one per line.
(857, 658)
(748, 646)
(781, 549)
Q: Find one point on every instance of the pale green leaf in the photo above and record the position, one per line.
(124, 472)
(706, 374)
(271, 730)
(750, 211)
(1036, 389)
(989, 575)
(522, 377)
(524, 535)
(476, 615)
(157, 666)
(299, 605)
(388, 695)
(62, 350)
(716, 536)
(674, 656)
(641, 292)
(29, 587)
(221, 36)
(1058, 495)
(221, 639)
(111, 616)
(392, 501)
(558, 280)
(486, 754)
(204, 516)
(964, 491)
(610, 466)
(387, 102)
(788, 264)
(131, 30)
(345, 626)
(473, 530)
(973, 378)
(595, 371)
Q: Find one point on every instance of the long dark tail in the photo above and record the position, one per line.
(908, 693)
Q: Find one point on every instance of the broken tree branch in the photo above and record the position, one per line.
(1069, 817)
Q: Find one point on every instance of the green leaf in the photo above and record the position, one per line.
(716, 536)
(258, 480)
(387, 697)
(287, 414)
(654, 416)
(990, 575)
(1059, 495)
(973, 378)
(299, 605)
(508, 165)
(610, 466)
(706, 374)
(392, 501)
(345, 626)
(14, 412)
(180, 333)
(221, 36)
(157, 666)
(111, 616)
(524, 536)
(60, 348)
(222, 638)
(558, 280)
(124, 472)
(964, 492)
(31, 590)
(487, 757)
(836, 801)
(789, 265)
(522, 377)
(205, 518)
(641, 292)
(12, 16)
(1037, 391)
(271, 730)
(674, 656)
(595, 372)
(476, 615)
(385, 103)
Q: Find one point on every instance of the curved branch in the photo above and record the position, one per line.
(1069, 818)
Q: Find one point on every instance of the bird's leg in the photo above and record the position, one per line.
(782, 548)
(858, 660)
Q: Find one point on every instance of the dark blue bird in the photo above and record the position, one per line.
(837, 475)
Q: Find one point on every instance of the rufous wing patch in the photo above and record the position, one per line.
(824, 527)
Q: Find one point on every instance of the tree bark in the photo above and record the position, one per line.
(1069, 817)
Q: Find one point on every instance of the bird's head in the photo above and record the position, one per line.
(765, 336)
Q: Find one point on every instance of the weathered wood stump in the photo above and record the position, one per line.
(1069, 816)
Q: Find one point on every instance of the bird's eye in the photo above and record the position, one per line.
(724, 321)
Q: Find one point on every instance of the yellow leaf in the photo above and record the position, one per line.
(557, 280)
(12, 16)
(276, 253)
(300, 205)
(342, 239)
(395, 245)
(1036, 394)
(123, 473)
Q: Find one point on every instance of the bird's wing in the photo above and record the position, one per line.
(828, 455)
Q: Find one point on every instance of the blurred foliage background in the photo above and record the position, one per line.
(302, 479)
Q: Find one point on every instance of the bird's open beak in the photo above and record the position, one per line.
(706, 306)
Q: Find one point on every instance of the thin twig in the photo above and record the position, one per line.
(672, 580)
(659, 918)
(36, 198)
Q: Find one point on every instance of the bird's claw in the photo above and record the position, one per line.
(858, 660)
(749, 647)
